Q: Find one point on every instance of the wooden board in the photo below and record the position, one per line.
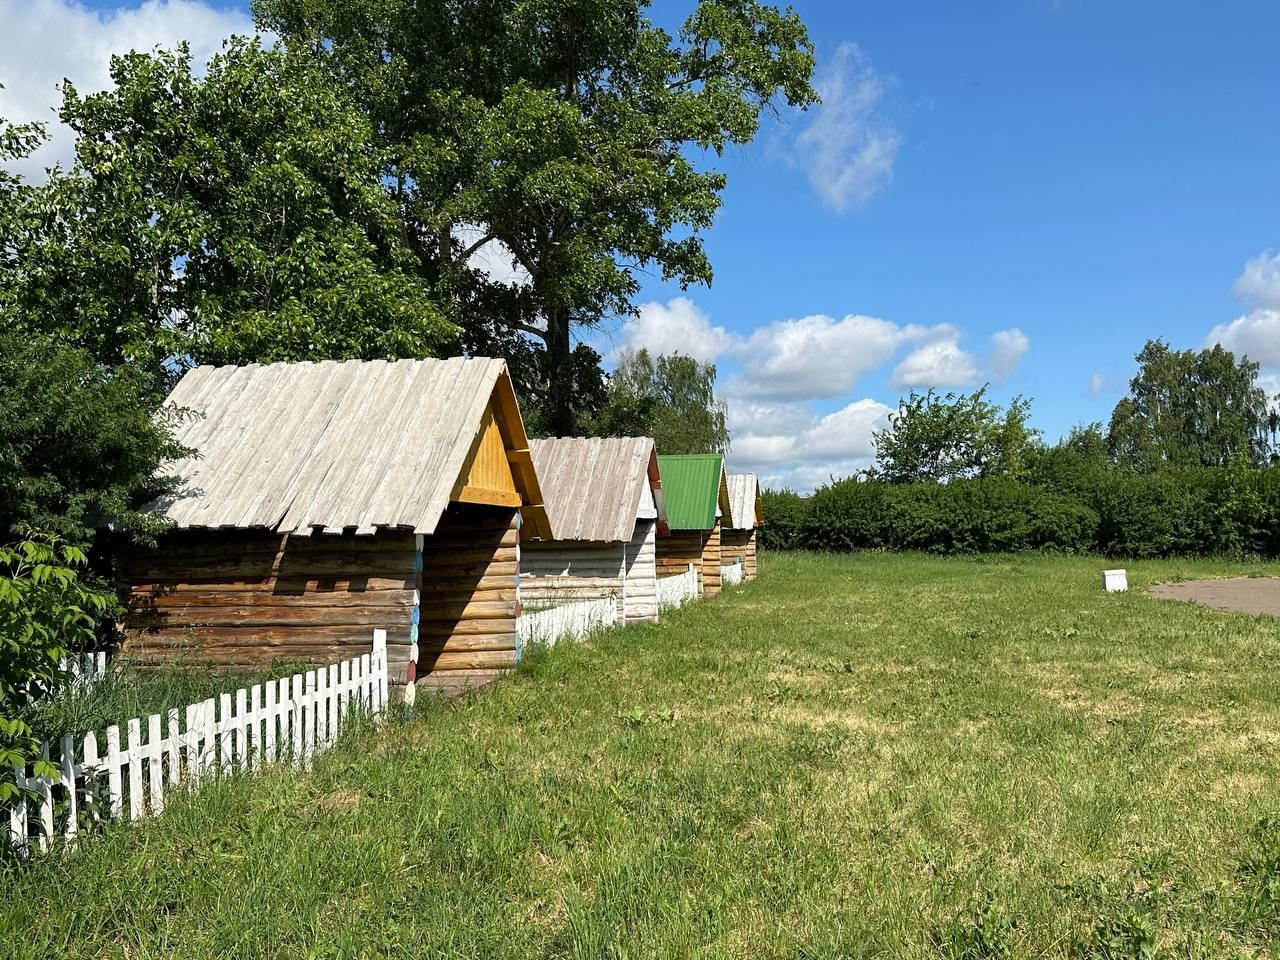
(238, 597)
(711, 562)
(468, 590)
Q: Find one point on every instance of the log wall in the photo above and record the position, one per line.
(563, 571)
(736, 544)
(711, 562)
(640, 598)
(676, 552)
(466, 631)
(241, 600)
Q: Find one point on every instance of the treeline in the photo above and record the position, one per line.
(1186, 467)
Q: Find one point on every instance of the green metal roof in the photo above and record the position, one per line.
(692, 486)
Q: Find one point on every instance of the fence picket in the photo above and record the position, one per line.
(18, 813)
(92, 791)
(135, 769)
(115, 795)
(304, 713)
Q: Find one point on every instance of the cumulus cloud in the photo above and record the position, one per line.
(677, 326)
(44, 41)
(942, 363)
(804, 449)
(847, 150)
(1260, 282)
(939, 364)
(1008, 347)
(1097, 383)
(1255, 334)
(820, 356)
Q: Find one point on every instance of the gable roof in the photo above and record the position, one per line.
(744, 501)
(694, 488)
(594, 487)
(363, 444)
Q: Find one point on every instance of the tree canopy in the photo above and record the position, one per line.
(231, 217)
(566, 134)
(937, 438)
(1188, 409)
(670, 398)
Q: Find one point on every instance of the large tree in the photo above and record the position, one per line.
(1189, 409)
(936, 438)
(228, 217)
(568, 134)
(670, 398)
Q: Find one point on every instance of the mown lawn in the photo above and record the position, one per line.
(877, 755)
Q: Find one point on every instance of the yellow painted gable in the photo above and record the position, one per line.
(486, 474)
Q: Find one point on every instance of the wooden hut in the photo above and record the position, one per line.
(328, 499)
(697, 497)
(604, 500)
(738, 538)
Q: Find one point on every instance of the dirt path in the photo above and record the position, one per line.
(1242, 594)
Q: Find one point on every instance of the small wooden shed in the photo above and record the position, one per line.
(328, 499)
(697, 497)
(746, 514)
(604, 500)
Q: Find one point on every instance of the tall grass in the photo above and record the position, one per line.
(858, 756)
(123, 694)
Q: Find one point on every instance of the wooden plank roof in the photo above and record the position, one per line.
(744, 501)
(694, 488)
(594, 486)
(323, 447)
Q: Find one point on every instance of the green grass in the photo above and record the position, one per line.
(122, 695)
(865, 756)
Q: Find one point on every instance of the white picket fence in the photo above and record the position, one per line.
(86, 669)
(731, 573)
(572, 621)
(678, 590)
(284, 721)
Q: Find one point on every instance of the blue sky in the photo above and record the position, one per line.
(1086, 173)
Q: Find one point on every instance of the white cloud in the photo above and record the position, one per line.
(939, 364)
(1097, 383)
(804, 450)
(1008, 347)
(1256, 334)
(44, 41)
(677, 326)
(943, 363)
(819, 356)
(1259, 284)
(847, 151)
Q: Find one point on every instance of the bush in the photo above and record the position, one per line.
(1202, 511)
(784, 513)
(964, 516)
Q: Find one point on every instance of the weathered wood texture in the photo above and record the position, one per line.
(467, 614)
(711, 562)
(564, 571)
(640, 596)
(735, 544)
(675, 553)
(240, 599)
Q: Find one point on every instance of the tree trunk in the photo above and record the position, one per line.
(560, 386)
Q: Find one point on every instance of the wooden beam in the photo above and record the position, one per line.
(496, 498)
(520, 456)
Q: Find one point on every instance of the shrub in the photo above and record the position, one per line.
(964, 516)
(784, 513)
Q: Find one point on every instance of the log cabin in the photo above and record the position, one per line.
(738, 538)
(697, 498)
(324, 500)
(604, 500)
